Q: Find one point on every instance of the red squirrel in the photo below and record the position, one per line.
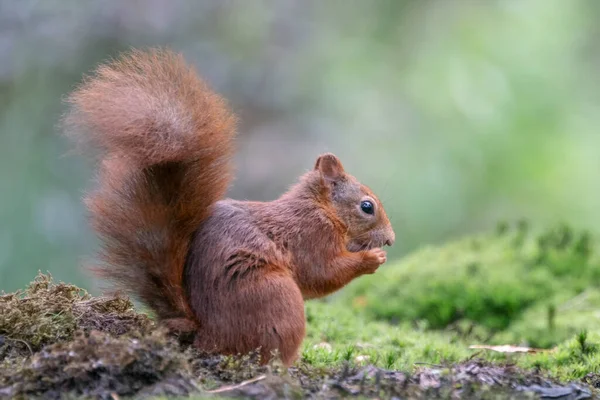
(235, 274)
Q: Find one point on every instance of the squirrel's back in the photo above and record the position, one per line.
(164, 143)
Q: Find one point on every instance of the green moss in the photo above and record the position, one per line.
(352, 337)
(489, 279)
(48, 312)
(573, 359)
(95, 363)
(336, 334)
(41, 314)
(555, 320)
(509, 287)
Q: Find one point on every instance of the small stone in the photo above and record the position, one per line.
(361, 359)
(323, 345)
(363, 346)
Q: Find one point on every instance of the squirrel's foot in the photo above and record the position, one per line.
(180, 325)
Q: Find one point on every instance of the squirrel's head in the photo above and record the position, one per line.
(356, 206)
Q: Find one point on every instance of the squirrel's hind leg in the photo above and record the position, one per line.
(263, 312)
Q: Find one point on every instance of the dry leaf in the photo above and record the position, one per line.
(362, 359)
(507, 348)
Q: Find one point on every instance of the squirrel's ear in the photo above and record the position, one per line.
(330, 166)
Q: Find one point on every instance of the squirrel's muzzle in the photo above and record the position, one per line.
(390, 237)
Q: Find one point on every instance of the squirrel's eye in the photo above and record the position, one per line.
(367, 207)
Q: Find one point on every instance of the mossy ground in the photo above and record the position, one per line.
(403, 332)
(538, 289)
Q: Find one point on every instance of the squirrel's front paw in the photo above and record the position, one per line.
(373, 259)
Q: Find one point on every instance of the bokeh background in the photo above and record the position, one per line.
(459, 113)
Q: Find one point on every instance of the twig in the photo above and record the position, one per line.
(233, 387)
(21, 341)
(429, 364)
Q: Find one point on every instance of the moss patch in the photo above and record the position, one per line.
(96, 364)
(512, 284)
(48, 312)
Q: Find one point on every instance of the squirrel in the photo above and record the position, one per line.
(232, 274)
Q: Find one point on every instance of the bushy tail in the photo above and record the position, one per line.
(164, 142)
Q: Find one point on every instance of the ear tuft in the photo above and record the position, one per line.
(330, 166)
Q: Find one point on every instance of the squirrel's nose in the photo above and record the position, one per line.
(391, 238)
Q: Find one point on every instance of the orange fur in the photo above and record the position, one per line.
(236, 273)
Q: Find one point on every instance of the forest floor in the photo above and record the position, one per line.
(57, 341)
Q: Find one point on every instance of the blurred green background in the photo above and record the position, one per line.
(458, 113)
